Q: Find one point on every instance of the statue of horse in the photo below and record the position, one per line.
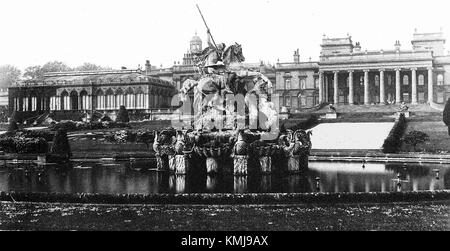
(233, 54)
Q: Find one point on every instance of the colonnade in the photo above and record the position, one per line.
(325, 93)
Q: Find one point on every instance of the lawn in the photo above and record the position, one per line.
(437, 131)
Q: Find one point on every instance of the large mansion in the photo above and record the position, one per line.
(345, 74)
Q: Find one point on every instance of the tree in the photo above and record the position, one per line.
(33, 72)
(446, 115)
(413, 138)
(61, 144)
(122, 115)
(91, 67)
(9, 75)
(36, 72)
(55, 66)
(12, 127)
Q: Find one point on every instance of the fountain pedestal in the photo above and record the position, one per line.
(297, 163)
(266, 164)
(240, 164)
(212, 165)
(172, 164)
(181, 164)
(293, 164)
(162, 162)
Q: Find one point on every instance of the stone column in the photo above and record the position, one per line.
(350, 88)
(430, 85)
(382, 89)
(366, 87)
(397, 86)
(336, 88)
(414, 86)
(321, 91)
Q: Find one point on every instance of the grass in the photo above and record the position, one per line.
(437, 131)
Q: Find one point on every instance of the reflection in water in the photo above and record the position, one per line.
(136, 178)
(211, 183)
(240, 184)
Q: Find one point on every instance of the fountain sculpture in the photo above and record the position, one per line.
(234, 123)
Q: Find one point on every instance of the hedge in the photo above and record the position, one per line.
(17, 144)
(71, 126)
(393, 141)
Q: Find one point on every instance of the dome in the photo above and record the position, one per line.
(196, 38)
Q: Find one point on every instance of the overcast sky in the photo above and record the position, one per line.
(119, 33)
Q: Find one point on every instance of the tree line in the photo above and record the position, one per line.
(10, 74)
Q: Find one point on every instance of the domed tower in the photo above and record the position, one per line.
(196, 44)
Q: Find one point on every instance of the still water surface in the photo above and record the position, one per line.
(136, 177)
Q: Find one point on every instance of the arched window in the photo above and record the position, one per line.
(110, 99)
(129, 98)
(73, 100)
(100, 97)
(389, 80)
(440, 79)
(65, 101)
(84, 100)
(421, 80)
(405, 80)
(139, 98)
(120, 99)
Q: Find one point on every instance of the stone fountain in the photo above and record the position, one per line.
(233, 123)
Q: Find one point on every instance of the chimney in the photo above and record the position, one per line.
(397, 45)
(297, 56)
(148, 67)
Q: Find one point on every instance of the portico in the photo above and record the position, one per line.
(365, 82)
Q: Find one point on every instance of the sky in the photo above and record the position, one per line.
(118, 33)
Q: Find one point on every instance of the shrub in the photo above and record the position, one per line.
(122, 115)
(61, 144)
(393, 142)
(71, 126)
(446, 115)
(413, 138)
(12, 126)
(105, 118)
(23, 145)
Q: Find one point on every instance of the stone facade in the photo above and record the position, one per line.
(88, 92)
(345, 74)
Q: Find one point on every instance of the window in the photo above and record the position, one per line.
(377, 80)
(287, 84)
(421, 80)
(405, 80)
(316, 83)
(389, 80)
(421, 97)
(302, 83)
(288, 101)
(440, 97)
(406, 97)
(440, 79)
(295, 102)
